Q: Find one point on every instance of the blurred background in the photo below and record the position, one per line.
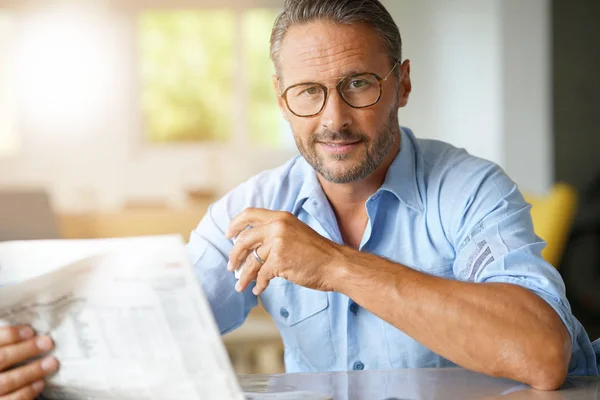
(129, 117)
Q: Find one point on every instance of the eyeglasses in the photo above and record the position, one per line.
(358, 91)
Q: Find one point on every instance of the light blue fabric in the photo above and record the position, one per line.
(440, 211)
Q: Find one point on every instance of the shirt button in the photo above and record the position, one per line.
(354, 308)
(358, 366)
(284, 313)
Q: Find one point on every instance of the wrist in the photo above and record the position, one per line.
(342, 265)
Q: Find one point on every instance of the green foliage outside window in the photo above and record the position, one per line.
(187, 67)
(264, 118)
(190, 68)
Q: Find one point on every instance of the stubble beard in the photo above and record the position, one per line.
(374, 152)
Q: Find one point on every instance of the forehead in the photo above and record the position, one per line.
(323, 50)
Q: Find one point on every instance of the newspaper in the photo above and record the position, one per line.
(127, 315)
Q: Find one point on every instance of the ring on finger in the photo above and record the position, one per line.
(258, 258)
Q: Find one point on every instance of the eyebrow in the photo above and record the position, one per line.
(336, 79)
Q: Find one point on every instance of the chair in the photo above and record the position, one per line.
(553, 216)
(26, 215)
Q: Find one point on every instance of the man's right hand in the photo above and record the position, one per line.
(18, 344)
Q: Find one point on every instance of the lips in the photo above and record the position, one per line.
(335, 144)
(339, 147)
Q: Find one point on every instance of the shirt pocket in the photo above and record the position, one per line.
(302, 316)
(405, 352)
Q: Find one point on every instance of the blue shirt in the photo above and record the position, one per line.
(440, 211)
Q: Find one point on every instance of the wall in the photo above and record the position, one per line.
(463, 78)
(455, 51)
(481, 74)
(527, 98)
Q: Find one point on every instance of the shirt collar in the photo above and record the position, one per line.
(400, 180)
(310, 184)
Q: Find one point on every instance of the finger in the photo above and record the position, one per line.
(16, 353)
(27, 393)
(247, 241)
(18, 378)
(264, 276)
(251, 268)
(250, 216)
(15, 334)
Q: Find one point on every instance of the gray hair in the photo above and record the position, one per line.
(369, 12)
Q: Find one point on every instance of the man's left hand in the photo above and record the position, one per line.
(289, 248)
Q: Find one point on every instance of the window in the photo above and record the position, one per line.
(266, 126)
(8, 109)
(206, 77)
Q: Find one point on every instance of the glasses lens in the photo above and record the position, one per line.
(305, 99)
(361, 90)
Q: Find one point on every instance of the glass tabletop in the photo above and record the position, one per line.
(413, 384)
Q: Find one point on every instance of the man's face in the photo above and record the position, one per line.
(342, 143)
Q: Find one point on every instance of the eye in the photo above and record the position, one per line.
(310, 91)
(358, 84)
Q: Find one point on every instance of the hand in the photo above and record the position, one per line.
(290, 248)
(19, 344)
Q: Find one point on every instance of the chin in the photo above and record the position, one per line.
(346, 174)
(341, 168)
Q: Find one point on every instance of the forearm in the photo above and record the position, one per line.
(497, 329)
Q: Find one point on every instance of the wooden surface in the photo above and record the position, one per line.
(131, 222)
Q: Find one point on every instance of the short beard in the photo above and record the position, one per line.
(375, 152)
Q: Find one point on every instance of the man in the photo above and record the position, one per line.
(374, 250)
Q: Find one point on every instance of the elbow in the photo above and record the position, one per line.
(550, 371)
(550, 379)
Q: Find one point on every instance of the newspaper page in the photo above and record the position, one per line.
(128, 318)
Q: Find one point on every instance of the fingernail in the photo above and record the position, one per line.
(238, 286)
(44, 343)
(38, 386)
(49, 364)
(229, 266)
(26, 332)
(255, 291)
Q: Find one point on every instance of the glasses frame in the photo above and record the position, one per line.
(338, 89)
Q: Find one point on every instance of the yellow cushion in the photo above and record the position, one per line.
(553, 216)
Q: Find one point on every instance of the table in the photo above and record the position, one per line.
(413, 384)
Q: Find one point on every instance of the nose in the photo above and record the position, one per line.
(337, 115)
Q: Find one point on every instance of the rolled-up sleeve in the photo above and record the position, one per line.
(208, 251)
(495, 242)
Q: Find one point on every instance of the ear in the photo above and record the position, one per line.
(405, 86)
(280, 101)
